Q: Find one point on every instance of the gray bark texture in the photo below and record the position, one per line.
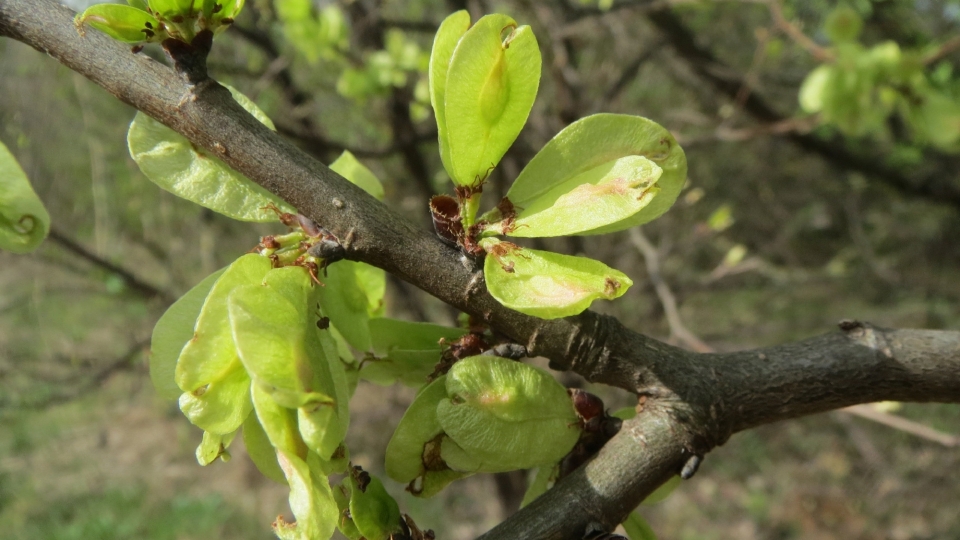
(688, 403)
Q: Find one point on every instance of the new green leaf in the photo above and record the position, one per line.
(406, 351)
(491, 84)
(261, 452)
(545, 284)
(350, 168)
(448, 35)
(24, 221)
(172, 162)
(375, 513)
(598, 139)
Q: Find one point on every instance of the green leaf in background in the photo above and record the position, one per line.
(172, 332)
(344, 300)
(406, 351)
(214, 446)
(843, 24)
(261, 452)
(24, 222)
(172, 162)
(602, 196)
(541, 482)
(546, 284)
(598, 139)
(662, 492)
(491, 84)
(375, 513)
(812, 90)
(350, 168)
(171, 8)
(123, 23)
(637, 528)
(448, 35)
(506, 415)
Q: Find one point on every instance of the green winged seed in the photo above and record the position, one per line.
(214, 446)
(505, 415)
(261, 452)
(448, 35)
(375, 513)
(220, 406)
(278, 423)
(406, 351)
(602, 196)
(123, 23)
(211, 352)
(491, 84)
(545, 284)
(274, 328)
(419, 425)
(172, 332)
(172, 162)
(598, 139)
(270, 335)
(24, 222)
(311, 501)
(350, 168)
(545, 476)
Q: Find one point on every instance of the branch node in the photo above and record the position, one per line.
(690, 467)
(190, 59)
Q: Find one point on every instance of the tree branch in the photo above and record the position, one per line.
(690, 402)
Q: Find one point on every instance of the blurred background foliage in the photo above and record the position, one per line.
(793, 218)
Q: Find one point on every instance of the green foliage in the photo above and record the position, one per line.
(24, 222)
(859, 88)
(637, 528)
(157, 20)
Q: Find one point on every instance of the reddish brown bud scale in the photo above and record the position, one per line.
(587, 405)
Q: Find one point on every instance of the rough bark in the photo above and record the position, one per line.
(689, 402)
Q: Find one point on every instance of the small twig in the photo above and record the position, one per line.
(945, 49)
(133, 282)
(669, 302)
(905, 425)
(820, 53)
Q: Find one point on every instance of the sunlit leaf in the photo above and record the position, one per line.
(261, 452)
(598, 139)
(123, 23)
(279, 423)
(350, 168)
(448, 35)
(172, 332)
(506, 415)
(490, 88)
(173, 163)
(171, 8)
(24, 221)
(602, 196)
(813, 87)
(546, 474)
(546, 284)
